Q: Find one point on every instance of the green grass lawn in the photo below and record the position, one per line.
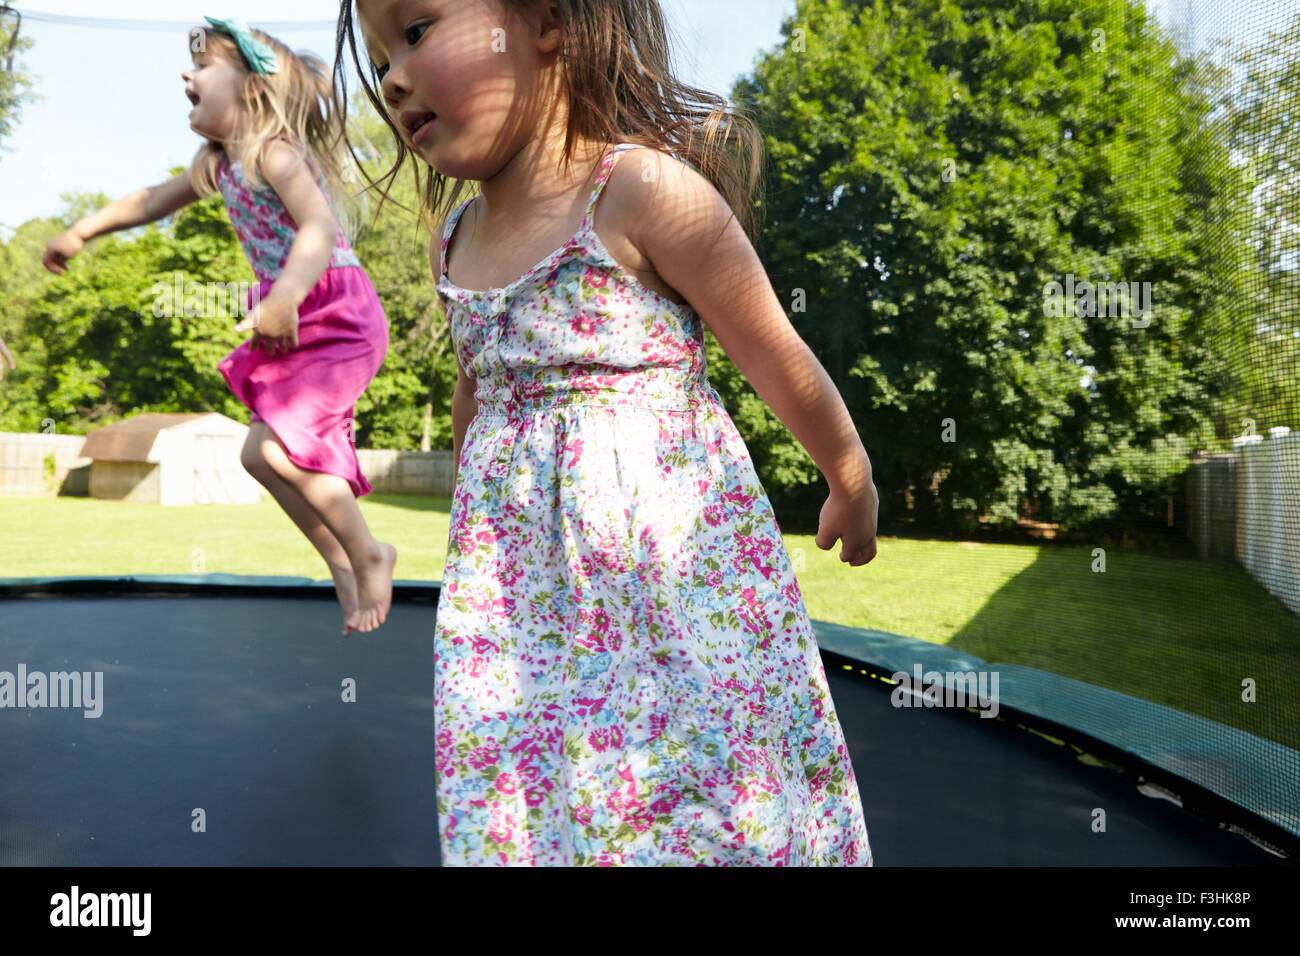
(1179, 632)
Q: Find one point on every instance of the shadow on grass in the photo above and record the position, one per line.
(409, 502)
(1184, 633)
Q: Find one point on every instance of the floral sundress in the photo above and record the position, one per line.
(624, 669)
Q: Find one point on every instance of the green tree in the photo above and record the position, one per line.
(108, 347)
(15, 83)
(935, 164)
(1259, 257)
(412, 394)
(15, 89)
(22, 285)
(92, 350)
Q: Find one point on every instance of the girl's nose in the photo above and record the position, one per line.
(394, 87)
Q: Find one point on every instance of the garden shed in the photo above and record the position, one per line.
(189, 458)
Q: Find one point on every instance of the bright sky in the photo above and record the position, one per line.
(112, 113)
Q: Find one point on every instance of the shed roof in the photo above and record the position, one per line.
(133, 439)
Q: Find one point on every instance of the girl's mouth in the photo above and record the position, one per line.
(421, 130)
(417, 124)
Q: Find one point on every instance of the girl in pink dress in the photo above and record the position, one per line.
(319, 333)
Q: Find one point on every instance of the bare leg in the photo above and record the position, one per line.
(302, 514)
(323, 506)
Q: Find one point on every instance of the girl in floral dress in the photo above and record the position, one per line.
(624, 669)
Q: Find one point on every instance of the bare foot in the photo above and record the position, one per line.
(374, 588)
(345, 586)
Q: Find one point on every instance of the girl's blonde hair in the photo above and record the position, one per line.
(295, 104)
(616, 74)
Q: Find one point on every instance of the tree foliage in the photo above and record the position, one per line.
(935, 164)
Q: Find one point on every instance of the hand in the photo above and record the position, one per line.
(274, 324)
(850, 518)
(60, 249)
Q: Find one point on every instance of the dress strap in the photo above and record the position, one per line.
(602, 177)
(606, 170)
(448, 228)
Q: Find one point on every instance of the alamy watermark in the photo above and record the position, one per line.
(204, 300)
(76, 909)
(1130, 300)
(946, 689)
(55, 689)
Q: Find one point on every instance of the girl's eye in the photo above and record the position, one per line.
(407, 34)
(412, 36)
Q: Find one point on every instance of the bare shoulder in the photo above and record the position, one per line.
(682, 227)
(288, 171)
(658, 167)
(279, 161)
(650, 186)
(654, 198)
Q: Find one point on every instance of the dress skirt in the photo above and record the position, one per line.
(307, 396)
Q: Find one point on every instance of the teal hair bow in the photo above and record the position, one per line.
(260, 57)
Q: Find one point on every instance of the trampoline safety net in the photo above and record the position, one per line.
(1048, 252)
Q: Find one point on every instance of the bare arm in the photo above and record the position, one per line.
(464, 406)
(135, 209)
(312, 248)
(463, 409)
(680, 221)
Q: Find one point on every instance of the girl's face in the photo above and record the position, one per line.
(213, 86)
(482, 77)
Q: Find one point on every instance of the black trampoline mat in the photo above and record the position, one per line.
(950, 788)
(233, 704)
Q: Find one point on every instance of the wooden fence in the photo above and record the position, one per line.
(49, 464)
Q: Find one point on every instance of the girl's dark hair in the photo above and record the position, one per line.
(617, 75)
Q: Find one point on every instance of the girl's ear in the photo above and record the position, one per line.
(548, 37)
(542, 20)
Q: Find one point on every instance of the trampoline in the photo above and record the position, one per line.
(225, 739)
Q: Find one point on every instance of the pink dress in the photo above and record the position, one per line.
(624, 670)
(307, 396)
